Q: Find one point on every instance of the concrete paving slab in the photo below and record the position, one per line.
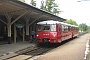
(7, 55)
(4, 49)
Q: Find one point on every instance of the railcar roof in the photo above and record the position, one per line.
(54, 22)
(49, 22)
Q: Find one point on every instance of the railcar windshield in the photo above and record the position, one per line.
(39, 28)
(53, 27)
(46, 27)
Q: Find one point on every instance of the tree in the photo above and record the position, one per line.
(83, 27)
(33, 2)
(72, 22)
(42, 5)
(55, 9)
(89, 29)
(50, 6)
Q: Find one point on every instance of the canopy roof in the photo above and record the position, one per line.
(20, 11)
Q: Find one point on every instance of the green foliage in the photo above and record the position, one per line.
(89, 29)
(72, 22)
(42, 5)
(83, 27)
(50, 6)
(22, 0)
(33, 2)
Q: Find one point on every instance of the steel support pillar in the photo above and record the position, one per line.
(23, 34)
(15, 33)
(27, 30)
(9, 33)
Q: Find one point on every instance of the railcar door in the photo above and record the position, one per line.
(72, 31)
(59, 33)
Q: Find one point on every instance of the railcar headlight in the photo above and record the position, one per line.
(37, 35)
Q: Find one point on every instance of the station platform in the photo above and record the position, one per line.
(88, 55)
(11, 48)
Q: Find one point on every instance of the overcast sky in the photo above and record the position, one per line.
(72, 9)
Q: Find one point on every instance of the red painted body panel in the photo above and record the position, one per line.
(51, 36)
(74, 32)
(66, 35)
(57, 36)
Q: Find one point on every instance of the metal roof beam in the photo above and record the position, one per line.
(35, 20)
(8, 16)
(20, 16)
(3, 21)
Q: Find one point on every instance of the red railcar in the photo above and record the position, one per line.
(55, 31)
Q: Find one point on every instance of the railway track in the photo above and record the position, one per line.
(28, 53)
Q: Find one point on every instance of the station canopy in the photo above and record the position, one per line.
(20, 11)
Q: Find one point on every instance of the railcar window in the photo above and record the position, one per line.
(53, 27)
(39, 28)
(75, 28)
(65, 28)
(46, 28)
(69, 28)
(62, 27)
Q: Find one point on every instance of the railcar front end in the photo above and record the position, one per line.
(46, 33)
